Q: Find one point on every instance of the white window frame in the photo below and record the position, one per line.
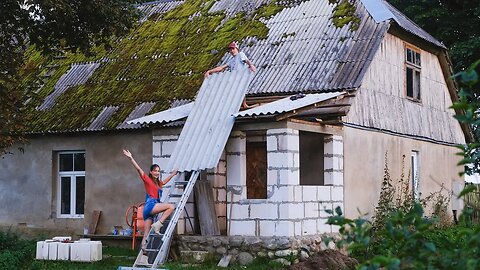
(415, 175)
(73, 187)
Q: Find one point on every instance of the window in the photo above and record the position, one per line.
(311, 159)
(415, 175)
(71, 184)
(412, 73)
(256, 153)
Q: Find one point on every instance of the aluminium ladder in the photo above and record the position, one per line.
(166, 236)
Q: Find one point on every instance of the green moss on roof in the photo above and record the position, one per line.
(161, 60)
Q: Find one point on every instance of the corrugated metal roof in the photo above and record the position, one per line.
(288, 104)
(382, 11)
(76, 75)
(156, 7)
(208, 126)
(139, 111)
(166, 116)
(102, 118)
(305, 52)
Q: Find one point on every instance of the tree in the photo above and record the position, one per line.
(49, 25)
(454, 22)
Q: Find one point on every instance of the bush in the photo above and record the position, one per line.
(14, 252)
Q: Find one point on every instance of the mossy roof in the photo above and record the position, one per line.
(292, 42)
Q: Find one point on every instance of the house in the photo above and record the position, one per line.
(333, 101)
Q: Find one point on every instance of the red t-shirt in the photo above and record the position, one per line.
(150, 187)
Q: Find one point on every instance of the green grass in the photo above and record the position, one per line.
(16, 253)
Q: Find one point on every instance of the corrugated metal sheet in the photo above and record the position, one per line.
(157, 7)
(304, 52)
(208, 126)
(99, 122)
(139, 111)
(288, 104)
(166, 116)
(76, 75)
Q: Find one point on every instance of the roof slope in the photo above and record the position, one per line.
(293, 43)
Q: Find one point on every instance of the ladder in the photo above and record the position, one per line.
(163, 248)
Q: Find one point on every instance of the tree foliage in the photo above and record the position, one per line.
(454, 22)
(49, 25)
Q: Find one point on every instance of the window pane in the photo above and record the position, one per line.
(417, 59)
(409, 56)
(66, 162)
(417, 85)
(79, 162)
(80, 196)
(65, 195)
(409, 82)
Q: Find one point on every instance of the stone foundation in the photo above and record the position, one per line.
(289, 249)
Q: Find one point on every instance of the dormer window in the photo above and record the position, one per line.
(412, 73)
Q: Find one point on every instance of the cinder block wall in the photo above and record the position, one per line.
(163, 146)
(290, 209)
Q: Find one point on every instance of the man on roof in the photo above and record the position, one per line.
(239, 58)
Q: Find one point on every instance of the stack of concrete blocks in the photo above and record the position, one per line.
(83, 250)
(290, 209)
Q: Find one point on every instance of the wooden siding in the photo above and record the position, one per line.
(381, 101)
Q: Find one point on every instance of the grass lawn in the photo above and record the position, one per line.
(114, 257)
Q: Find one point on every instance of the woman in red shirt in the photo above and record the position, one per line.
(153, 205)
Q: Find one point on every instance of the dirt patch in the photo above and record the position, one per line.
(326, 260)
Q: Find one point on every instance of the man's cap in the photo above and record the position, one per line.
(233, 45)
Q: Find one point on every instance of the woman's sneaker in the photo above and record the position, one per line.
(157, 226)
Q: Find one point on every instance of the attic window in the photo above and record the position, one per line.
(412, 73)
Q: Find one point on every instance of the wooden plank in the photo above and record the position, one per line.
(92, 227)
(207, 216)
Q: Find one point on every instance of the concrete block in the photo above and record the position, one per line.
(264, 211)
(242, 227)
(324, 193)
(276, 228)
(236, 170)
(39, 255)
(221, 209)
(236, 145)
(238, 211)
(323, 227)
(298, 228)
(288, 142)
(53, 250)
(272, 178)
(296, 210)
(86, 251)
(157, 148)
(298, 192)
(161, 161)
(309, 194)
(309, 227)
(323, 207)
(337, 194)
(312, 210)
(333, 178)
(278, 160)
(63, 251)
(272, 143)
(289, 177)
(168, 147)
(279, 131)
(62, 238)
(80, 251)
(283, 194)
